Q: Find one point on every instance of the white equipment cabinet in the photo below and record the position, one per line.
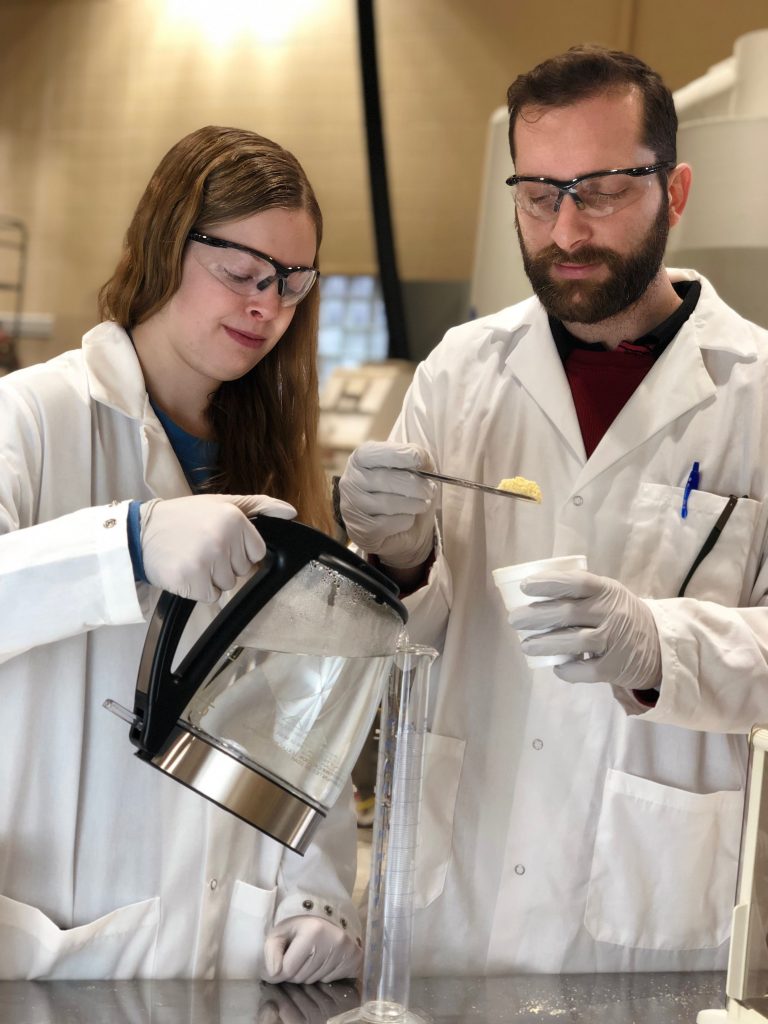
(723, 135)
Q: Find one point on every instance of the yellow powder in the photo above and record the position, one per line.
(519, 485)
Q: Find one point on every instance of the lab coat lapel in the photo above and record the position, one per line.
(677, 383)
(535, 361)
(162, 470)
(109, 357)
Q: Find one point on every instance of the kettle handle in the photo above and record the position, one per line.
(165, 628)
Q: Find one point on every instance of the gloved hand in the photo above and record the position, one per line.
(387, 511)
(306, 949)
(197, 546)
(594, 615)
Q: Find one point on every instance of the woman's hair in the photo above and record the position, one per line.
(265, 423)
(589, 70)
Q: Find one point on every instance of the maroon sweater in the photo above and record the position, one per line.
(602, 379)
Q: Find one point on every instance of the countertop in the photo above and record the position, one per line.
(525, 999)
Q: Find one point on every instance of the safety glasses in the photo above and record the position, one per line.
(247, 271)
(598, 194)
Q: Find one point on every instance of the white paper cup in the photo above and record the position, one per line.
(508, 580)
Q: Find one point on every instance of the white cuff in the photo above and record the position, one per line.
(307, 904)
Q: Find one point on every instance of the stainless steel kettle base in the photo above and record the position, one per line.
(242, 791)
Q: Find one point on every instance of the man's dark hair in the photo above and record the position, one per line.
(589, 70)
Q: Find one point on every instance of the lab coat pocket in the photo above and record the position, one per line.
(662, 546)
(443, 757)
(120, 945)
(241, 954)
(664, 865)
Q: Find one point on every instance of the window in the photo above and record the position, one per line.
(353, 324)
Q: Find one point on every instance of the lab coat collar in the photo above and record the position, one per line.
(114, 372)
(115, 379)
(678, 382)
(718, 327)
(532, 357)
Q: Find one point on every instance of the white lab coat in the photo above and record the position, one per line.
(109, 869)
(561, 833)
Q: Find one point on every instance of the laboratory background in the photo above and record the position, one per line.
(94, 91)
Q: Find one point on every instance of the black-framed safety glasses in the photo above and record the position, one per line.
(598, 194)
(247, 271)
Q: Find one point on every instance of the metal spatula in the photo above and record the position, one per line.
(473, 485)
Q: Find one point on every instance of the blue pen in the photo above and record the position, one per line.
(692, 484)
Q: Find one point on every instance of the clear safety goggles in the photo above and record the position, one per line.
(597, 194)
(248, 271)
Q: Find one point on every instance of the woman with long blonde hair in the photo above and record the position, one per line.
(131, 466)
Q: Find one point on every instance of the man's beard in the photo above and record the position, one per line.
(589, 302)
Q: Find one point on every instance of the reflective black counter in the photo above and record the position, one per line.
(524, 999)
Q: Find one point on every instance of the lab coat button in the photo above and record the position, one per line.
(109, 523)
(537, 744)
(213, 883)
(343, 922)
(578, 500)
(519, 869)
(308, 904)
(328, 909)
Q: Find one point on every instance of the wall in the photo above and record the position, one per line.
(94, 91)
(97, 90)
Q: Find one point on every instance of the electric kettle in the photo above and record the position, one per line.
(265, 712)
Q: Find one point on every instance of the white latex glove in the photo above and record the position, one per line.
(306, 949)
(387, 511)
(594, 615)
(197, 546)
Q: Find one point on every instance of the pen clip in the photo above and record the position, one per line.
(692, 484)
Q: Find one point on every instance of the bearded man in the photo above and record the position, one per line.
(584, 817)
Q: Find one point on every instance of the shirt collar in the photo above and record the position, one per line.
(654, 341)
